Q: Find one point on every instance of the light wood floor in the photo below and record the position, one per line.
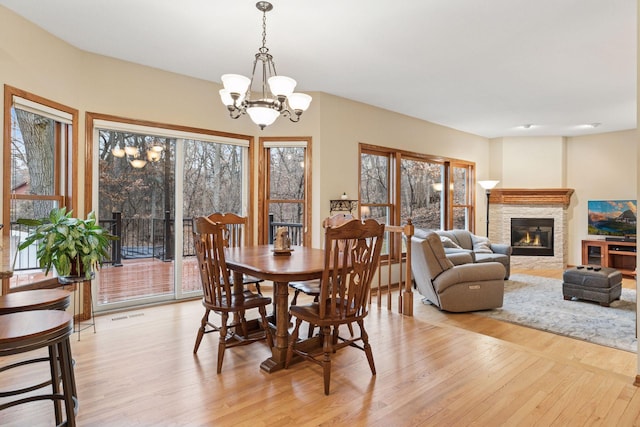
(434, 369)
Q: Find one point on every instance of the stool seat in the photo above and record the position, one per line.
(39, 299)
(25, 331)
(592, 283)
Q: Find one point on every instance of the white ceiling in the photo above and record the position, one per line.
(481, 66)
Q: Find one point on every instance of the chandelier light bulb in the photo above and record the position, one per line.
(138, 163)
(299, 101)
(153, 156)
(131, 151)
(281, 85)
(262, 116)
(235, 83)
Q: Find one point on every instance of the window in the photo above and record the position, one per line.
(40, 157)
(285, 183)
(434, 192)
(151, 181)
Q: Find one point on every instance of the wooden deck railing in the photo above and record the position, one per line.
(394, 272)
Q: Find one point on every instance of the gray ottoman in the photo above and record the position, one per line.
(592, 283)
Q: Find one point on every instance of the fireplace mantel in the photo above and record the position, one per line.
(531, 196)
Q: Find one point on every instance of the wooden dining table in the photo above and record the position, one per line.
(302, 263)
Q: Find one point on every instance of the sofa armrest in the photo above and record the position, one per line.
(501, 248)
(457, 251)
(460, 257)
(468, 273)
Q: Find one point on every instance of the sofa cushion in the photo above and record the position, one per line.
(448, 243)
(461, 238)
(437, 261)
(421, 233)
(481, 244)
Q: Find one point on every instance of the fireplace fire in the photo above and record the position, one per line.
(532, 236)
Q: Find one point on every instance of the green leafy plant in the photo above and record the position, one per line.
(67, 243)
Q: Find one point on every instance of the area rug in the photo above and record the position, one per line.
(537, 302)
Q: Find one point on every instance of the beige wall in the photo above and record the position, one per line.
(521, 161)
(602, 166)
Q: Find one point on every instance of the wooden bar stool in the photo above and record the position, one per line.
(39, 299)
(31, 330)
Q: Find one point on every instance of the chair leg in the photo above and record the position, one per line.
(243, 324)
(265, 326)
(223, 340)
(312, 327)
(367, 347)
(292, 341)
(327, 349)
(294, 301)
(203, 324)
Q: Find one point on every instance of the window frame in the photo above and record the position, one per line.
(395, 158)
(264, 145)
(65, 167)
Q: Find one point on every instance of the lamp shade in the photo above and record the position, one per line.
(118, 152)
(299, 101)
(225, 96)
(281, 85)
(235, 83)
(262, 116)
(488, 184)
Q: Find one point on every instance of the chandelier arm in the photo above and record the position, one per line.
(264, 77)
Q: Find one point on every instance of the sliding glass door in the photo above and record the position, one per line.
(151, 182)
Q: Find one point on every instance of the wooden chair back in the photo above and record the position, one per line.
(336, 220)
(352, 253)
(209, 244)
(235, 233)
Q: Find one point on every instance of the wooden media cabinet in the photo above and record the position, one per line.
(619, 255)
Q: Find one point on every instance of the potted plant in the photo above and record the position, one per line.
(72, 246)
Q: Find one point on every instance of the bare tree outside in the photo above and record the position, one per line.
(32, 163)
(421, 188)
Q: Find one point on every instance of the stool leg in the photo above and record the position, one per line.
(68, 382)
(54, 365)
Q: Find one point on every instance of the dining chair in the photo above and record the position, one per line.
(352, 253)
(312, 287)
(219, 296)
(234, 236)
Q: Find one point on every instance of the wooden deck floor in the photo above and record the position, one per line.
(144, 277)
(434, 369)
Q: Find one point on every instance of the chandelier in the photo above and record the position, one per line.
(280, 100)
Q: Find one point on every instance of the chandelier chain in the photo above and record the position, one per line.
(264, 31)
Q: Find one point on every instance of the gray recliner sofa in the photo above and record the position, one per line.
(478, 249)
(455, 288)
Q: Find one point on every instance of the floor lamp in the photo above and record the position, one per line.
(488, 185)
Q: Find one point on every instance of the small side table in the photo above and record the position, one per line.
(71, 280)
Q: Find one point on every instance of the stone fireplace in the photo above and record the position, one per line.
(534, 222)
